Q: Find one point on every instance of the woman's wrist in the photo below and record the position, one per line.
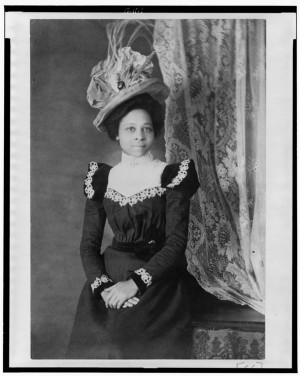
(99, 285)
(133, 285)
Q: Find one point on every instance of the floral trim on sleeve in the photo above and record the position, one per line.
(183, 168)
(142, 279)
(145, 276)
(100, 281)
(93, 167)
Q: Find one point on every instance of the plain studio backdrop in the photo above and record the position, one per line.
(63, 142)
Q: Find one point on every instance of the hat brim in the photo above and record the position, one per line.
(153, 86)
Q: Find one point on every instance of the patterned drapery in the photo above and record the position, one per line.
(216, 115)
(228, 344)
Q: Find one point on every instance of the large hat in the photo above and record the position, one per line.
(124, 74)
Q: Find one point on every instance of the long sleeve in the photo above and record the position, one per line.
(90, 246)
(178, 196)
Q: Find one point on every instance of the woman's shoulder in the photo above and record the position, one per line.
(96, 180)
(181, 176)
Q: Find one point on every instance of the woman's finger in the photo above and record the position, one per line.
(114, 304)
(126, 305)
(132, 301)
(109, 300)
(112, 301)
(105, 302)
(121, 302)
(105, 298)
(111, 295)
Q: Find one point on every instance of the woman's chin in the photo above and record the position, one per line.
(137, 152)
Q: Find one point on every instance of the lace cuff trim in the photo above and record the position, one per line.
(99, 281)
(131, 200)
(183, 168)
(93, 167)
(145, 276)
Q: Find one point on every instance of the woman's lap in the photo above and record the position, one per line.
(157, 327)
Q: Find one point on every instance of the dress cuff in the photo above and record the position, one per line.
(101, 284)
(142, 279)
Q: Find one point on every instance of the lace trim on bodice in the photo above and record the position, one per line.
(148, 192)
(132, 200)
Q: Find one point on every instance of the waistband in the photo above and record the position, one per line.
(142, 249)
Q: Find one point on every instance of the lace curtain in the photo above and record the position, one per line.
(216, 115)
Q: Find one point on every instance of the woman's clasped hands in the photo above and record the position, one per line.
(122, 294)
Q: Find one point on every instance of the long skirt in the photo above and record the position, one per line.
(158, 327)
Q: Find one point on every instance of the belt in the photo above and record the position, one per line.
(144, 249)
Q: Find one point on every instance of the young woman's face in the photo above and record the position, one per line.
(136, 134)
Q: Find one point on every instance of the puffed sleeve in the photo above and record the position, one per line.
(181, 182)
(93, 226)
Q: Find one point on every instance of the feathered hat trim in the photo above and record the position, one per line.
(123, 74)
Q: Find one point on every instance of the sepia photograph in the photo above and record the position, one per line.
(148, 188)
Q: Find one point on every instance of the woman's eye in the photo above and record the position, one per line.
(131, 129)
(149, 129)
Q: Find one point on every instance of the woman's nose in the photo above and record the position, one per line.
(139, 135)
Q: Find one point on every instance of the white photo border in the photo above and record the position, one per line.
(281, 30)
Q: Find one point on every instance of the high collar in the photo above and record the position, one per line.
(137, 161)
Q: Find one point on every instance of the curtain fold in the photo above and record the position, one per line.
(216, 115)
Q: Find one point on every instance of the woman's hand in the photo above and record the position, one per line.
(119, 293)
(128, 303)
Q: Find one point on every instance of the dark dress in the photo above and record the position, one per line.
(150, 235)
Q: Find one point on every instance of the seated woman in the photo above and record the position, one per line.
(134, 304)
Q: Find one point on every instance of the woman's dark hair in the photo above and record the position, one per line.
(141, 101)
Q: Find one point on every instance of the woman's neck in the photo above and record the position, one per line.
(132, 160)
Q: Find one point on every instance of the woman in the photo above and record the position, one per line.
(134, 304)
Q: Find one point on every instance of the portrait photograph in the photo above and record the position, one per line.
(151, 188)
